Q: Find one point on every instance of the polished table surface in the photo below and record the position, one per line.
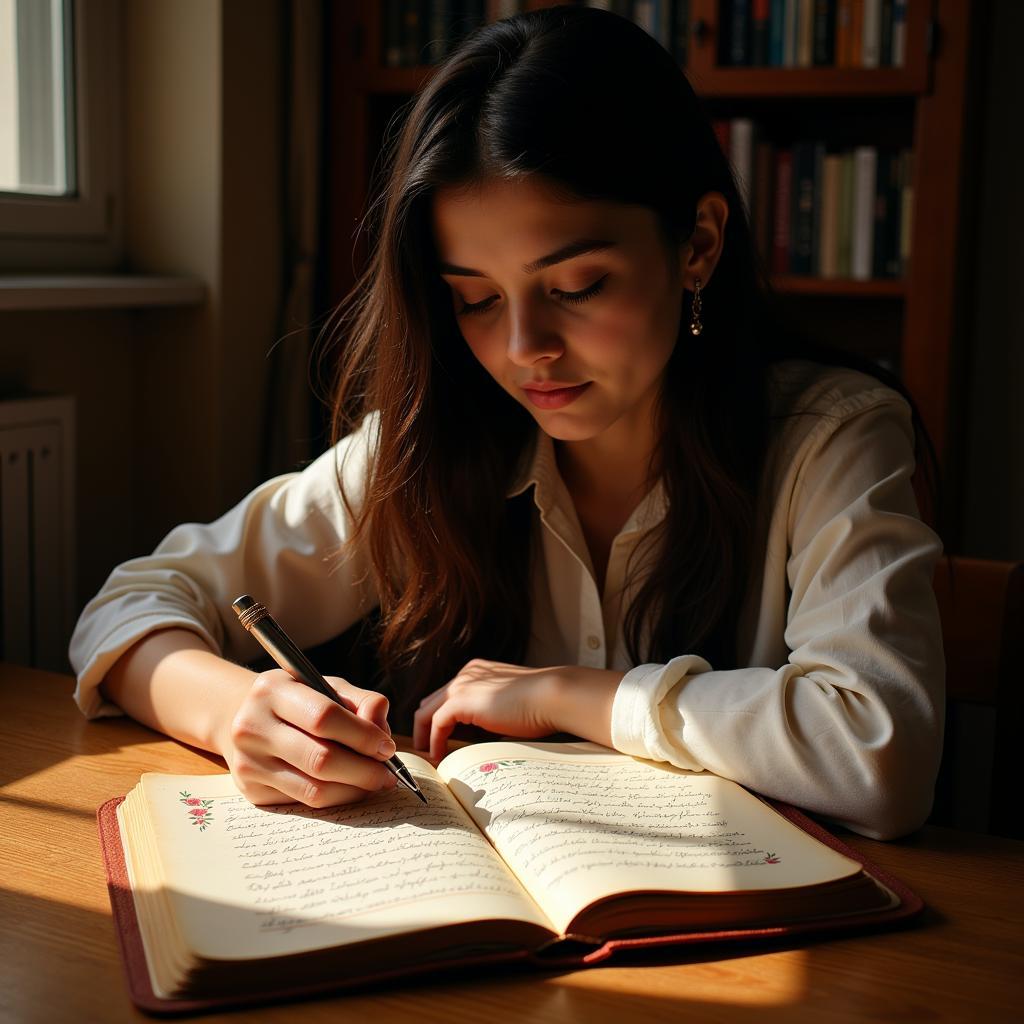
(962, 961)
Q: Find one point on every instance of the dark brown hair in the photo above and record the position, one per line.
(591, 104)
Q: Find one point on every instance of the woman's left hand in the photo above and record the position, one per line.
(500, 698)
(517, 701)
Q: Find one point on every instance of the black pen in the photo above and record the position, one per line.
(276, 642)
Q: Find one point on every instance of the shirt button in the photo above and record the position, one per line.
(593, 642)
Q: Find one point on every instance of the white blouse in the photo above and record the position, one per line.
(839, 708)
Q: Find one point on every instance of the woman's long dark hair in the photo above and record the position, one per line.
(591, 104)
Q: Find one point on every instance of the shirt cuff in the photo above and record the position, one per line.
(87, 694)
(636, 726)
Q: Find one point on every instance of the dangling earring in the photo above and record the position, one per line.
(695, 325)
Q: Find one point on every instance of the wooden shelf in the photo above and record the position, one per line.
(766, 83)
(881, 288)
(780, 83)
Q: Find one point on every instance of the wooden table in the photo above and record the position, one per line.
(59, 960)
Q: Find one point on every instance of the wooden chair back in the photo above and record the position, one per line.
(981, 605)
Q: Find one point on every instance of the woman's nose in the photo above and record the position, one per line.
(532, 339)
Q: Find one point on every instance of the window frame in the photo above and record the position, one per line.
(82, 230)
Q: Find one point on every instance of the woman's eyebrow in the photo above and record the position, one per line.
(567, 252)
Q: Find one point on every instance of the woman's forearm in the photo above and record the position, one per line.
(173, 682)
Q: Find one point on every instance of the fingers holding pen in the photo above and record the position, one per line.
(354, 726)
(289, 739)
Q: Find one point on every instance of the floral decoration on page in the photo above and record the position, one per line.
(199, 813)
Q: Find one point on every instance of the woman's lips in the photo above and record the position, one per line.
(552, 395)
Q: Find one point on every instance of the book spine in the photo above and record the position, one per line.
(844, 14)
(824, 33)
(783, 205)
(643, 15)
(818, 180)
(830, 189)
(885, 35)
(789, 34)
(663, 23)
(844, 240)
(865, 160)
(760, 16)
(892, 228)
(776, 34)
(870, 41)
(739, 35)
(856, 32)
(899, 32)
(802, 226)
(741, 156)
(906, 211)
(881, 216)
(805, 34)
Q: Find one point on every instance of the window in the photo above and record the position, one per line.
(59, 144)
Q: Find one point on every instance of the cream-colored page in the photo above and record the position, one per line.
(251, 881)
(578, 822)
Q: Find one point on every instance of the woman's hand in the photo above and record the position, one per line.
(288, 743)
(517, 701)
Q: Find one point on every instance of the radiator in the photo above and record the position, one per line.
(37, 553)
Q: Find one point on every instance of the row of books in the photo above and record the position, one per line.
(812, 33)
(415, 32)
(821, 212)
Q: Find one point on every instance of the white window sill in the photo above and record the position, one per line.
(97, 291)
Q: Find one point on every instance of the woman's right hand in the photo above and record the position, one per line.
(288, 743)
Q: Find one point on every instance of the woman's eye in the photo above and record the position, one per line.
(573, 297)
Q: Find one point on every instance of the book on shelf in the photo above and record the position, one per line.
(423, 32)
(543, 854)
(819, 211)
(812, 33)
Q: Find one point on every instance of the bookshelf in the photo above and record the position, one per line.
(913, 322)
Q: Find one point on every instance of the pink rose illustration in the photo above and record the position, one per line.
(199, 810)
(489, 767)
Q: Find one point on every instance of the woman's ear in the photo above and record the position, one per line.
(702, 250)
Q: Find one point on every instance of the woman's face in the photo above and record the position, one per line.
(579, 338)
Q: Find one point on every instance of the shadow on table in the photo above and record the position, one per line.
(61, 961)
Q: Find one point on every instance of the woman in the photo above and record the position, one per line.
(584, 473)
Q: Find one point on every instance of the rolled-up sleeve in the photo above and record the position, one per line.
(286, 543)
(851, 726)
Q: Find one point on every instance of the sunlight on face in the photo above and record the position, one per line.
(582, 342)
